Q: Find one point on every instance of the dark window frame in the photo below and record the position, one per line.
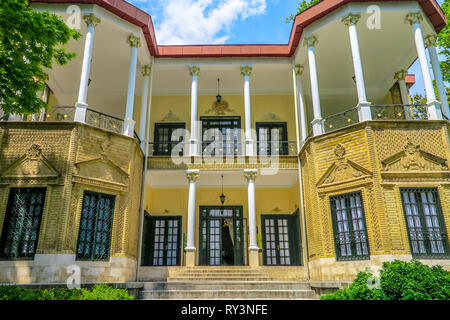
(205, 123)
(351, 232)
(156, 138)
(284, 148)
(7, 221)
(92, 256)
(423, 228)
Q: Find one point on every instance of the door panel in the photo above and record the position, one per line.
(162, 243)
(272, 138)
(281, 239)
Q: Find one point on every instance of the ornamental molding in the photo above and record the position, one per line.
(430, 40)
(146, 70)
(311, 41)
(351, 19)
(250, 174)
(298, 69)
(400, 75)
(91, 20)
(192, 175)
(134, 41)
(246, 71)
(170, 116)
(270, 116)
(220, 109)
(413, 17)
(413, 159)
(342, 170)
(33, 165)
(194, 70)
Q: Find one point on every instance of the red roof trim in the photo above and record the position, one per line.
(142, 19)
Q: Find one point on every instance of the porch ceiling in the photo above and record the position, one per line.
(212, 179)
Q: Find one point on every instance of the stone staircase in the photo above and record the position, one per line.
(228, 283)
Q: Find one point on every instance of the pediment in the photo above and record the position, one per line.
(101, 169)
(32, 165)
(412, 158)
(343, 170)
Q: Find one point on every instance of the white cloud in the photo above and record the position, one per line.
(202, 21)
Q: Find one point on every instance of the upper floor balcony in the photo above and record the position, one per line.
(345, 63)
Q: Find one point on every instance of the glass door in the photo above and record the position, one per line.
(163, 143)
(272, 138)
(229, 127)
(281, 239)
(221, 236)
(162, 241)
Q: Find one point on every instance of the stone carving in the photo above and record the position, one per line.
(351, 19)
(412, 158)
(298, 68)
(194, 70)
(170, 116)
(342, 169)
(246, 71)
(220, 109)
(32, 164)
(134, 41)
(192, 175)
(311, 41)
(91, 20)
(250, 175)
(413, 17)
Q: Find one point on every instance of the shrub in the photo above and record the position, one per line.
(98, 292)
(399, 280)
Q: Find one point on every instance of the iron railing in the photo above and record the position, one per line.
(340, 120)
(236, 148)
(399, 112)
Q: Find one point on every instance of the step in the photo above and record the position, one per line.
(228, 285)
(227, 294)
(186, 279)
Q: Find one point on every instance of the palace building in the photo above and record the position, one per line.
(302, 162)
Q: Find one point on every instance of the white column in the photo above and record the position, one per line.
(192, 176)
(400, 77)
(128, 125)
(146, 71)
(194, 147)
(433, 107)
(301, 111)
(317, 124)
(80, 106)
(430, 42)
(250, 175)
(246, 71)
(350, 21)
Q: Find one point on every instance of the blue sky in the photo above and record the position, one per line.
(229, 22)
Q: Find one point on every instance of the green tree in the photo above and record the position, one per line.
(30, 41)
(302, 6)
(443, 42)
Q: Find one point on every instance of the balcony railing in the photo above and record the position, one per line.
(235, 148)
(379, 112)
(67, 114)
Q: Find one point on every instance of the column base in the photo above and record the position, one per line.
(317, 127)
(364, 111)
(253, 257)
(190, 257)
(434, 110)
(128, 127)
(80, 112)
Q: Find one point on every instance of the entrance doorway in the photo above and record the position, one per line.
(281, 239)
(221, 236)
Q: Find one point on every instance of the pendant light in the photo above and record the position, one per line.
(218, 97)
(222, 196)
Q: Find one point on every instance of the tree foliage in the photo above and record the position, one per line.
(30, 41)
(444, 43)
(302, 6)
(399, 280)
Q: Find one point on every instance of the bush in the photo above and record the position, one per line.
(399, 280)
(98, 292)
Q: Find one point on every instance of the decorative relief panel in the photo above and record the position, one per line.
(342, 170)
(33, 167)
(170, 117)
(220, 108)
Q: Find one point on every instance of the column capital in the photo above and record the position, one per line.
(400, 75)
(134, 41)
(298, 68)
(146, 70)
(413, 17)
(192, 175)
(430, 40)
(91, 20)
(250, 174)
(194, 70)
(311, 41)
(351, 19)
(246, 70)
